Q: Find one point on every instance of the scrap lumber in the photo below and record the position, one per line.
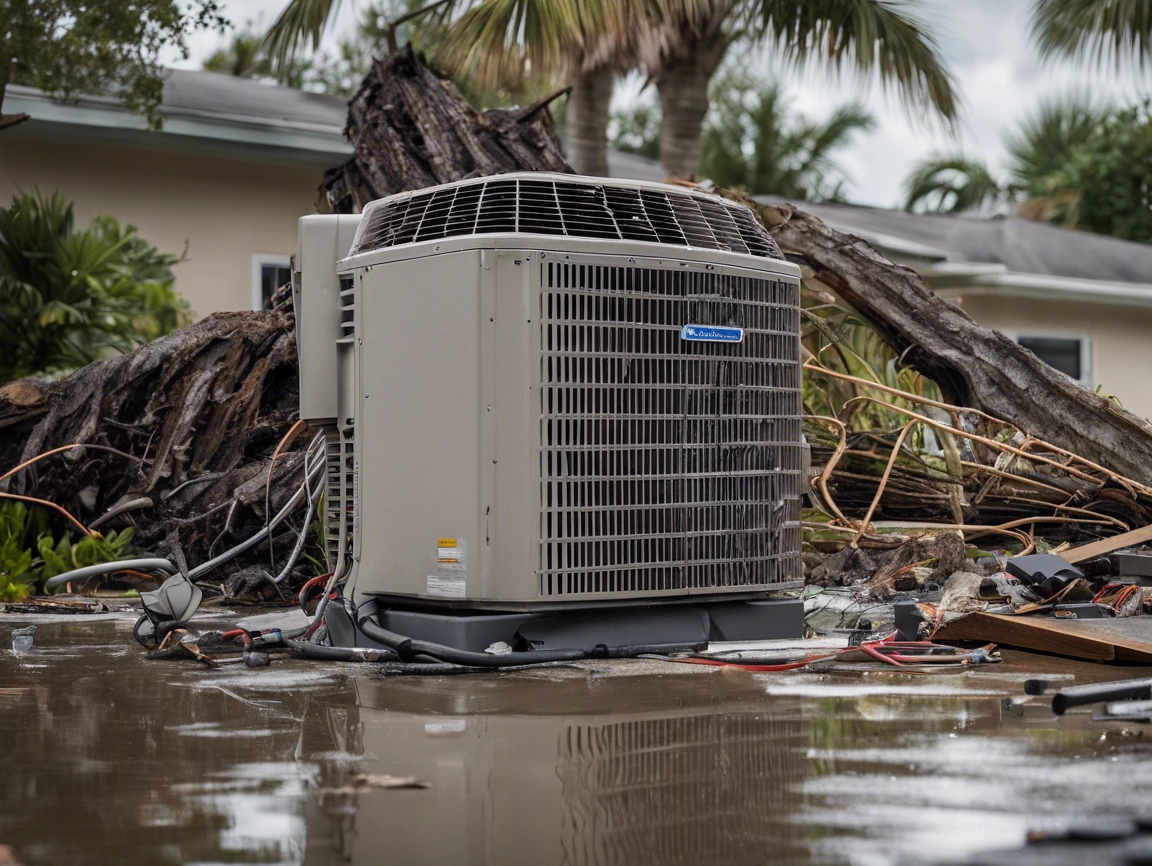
(1122, 639)
(411, 130)
(1108, 545)
(974, 366)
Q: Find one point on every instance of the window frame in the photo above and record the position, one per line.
(259, 260)
(1085, 348)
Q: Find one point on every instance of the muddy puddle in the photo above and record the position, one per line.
(111, 758)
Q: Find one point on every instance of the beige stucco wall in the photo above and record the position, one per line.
(226, 209)
(1120, 338)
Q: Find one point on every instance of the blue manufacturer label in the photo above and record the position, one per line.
(711, 334)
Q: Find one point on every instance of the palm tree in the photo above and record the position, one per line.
(951, 184)
(241, 57)
(753, 139)
(1043, 149)
(1045, 142)
(1093, 29)
(584, 43)
(872, 37)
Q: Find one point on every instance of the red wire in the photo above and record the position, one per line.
(313, 582)
(872, 648)
(790, 666)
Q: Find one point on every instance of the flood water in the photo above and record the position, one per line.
(108, 758)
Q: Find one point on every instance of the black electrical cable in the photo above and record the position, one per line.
(406, 649)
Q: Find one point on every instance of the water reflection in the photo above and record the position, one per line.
(109, 758)
(677, 786)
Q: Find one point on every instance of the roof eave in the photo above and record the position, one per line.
(1044, 287)
(185, 126)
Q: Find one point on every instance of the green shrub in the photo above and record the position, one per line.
(30, 553)
(71, 296)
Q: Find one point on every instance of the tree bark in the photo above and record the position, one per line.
(412, 130)
(588, 106)
(207, 404)
(683, 88)
(973, 365)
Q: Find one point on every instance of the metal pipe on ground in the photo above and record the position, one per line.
(1097, 693)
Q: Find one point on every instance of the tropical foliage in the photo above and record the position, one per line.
(1072, 164)
(1106, 184)
(337, 72)
(30, 553)
(866, 39)
(1097, 30)
(753, 139)
(69, 47)
(679, 44)
(69, 296)
(951, 184)
(637, 129)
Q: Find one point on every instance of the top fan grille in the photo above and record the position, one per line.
(570, 208)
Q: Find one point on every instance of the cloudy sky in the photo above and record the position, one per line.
(985, 43)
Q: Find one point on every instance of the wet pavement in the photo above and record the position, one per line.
(108, 757)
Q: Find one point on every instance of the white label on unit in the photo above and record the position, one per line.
(451, 575)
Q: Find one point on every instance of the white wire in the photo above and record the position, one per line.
(303, 534)
(313, 469)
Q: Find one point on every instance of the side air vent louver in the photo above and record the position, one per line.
(571, 208)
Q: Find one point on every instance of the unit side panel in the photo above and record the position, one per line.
(517, 444)
(418, 428)
(316, 300)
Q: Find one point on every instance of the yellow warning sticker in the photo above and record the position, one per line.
(451, 574)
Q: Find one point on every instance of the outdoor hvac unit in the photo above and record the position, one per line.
(549, 391)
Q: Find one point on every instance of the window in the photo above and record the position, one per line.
(1067, 354)
(269, 273)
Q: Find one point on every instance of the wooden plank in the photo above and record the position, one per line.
(1107, 545)
(1099, 640)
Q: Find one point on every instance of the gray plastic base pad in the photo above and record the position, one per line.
(618, 627)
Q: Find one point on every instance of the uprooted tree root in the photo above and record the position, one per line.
(201, 410)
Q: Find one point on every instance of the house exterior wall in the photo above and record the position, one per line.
(1120, 338)
(227, 210)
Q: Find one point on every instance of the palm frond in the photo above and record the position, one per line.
(1097, 30)
(496, 40)
(872, 37)
(302, 21)
(1046, 140)
(950, 184)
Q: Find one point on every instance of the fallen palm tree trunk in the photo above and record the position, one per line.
(973, 366)
(412, 130)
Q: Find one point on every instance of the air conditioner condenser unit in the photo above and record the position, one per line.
(551, 395)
